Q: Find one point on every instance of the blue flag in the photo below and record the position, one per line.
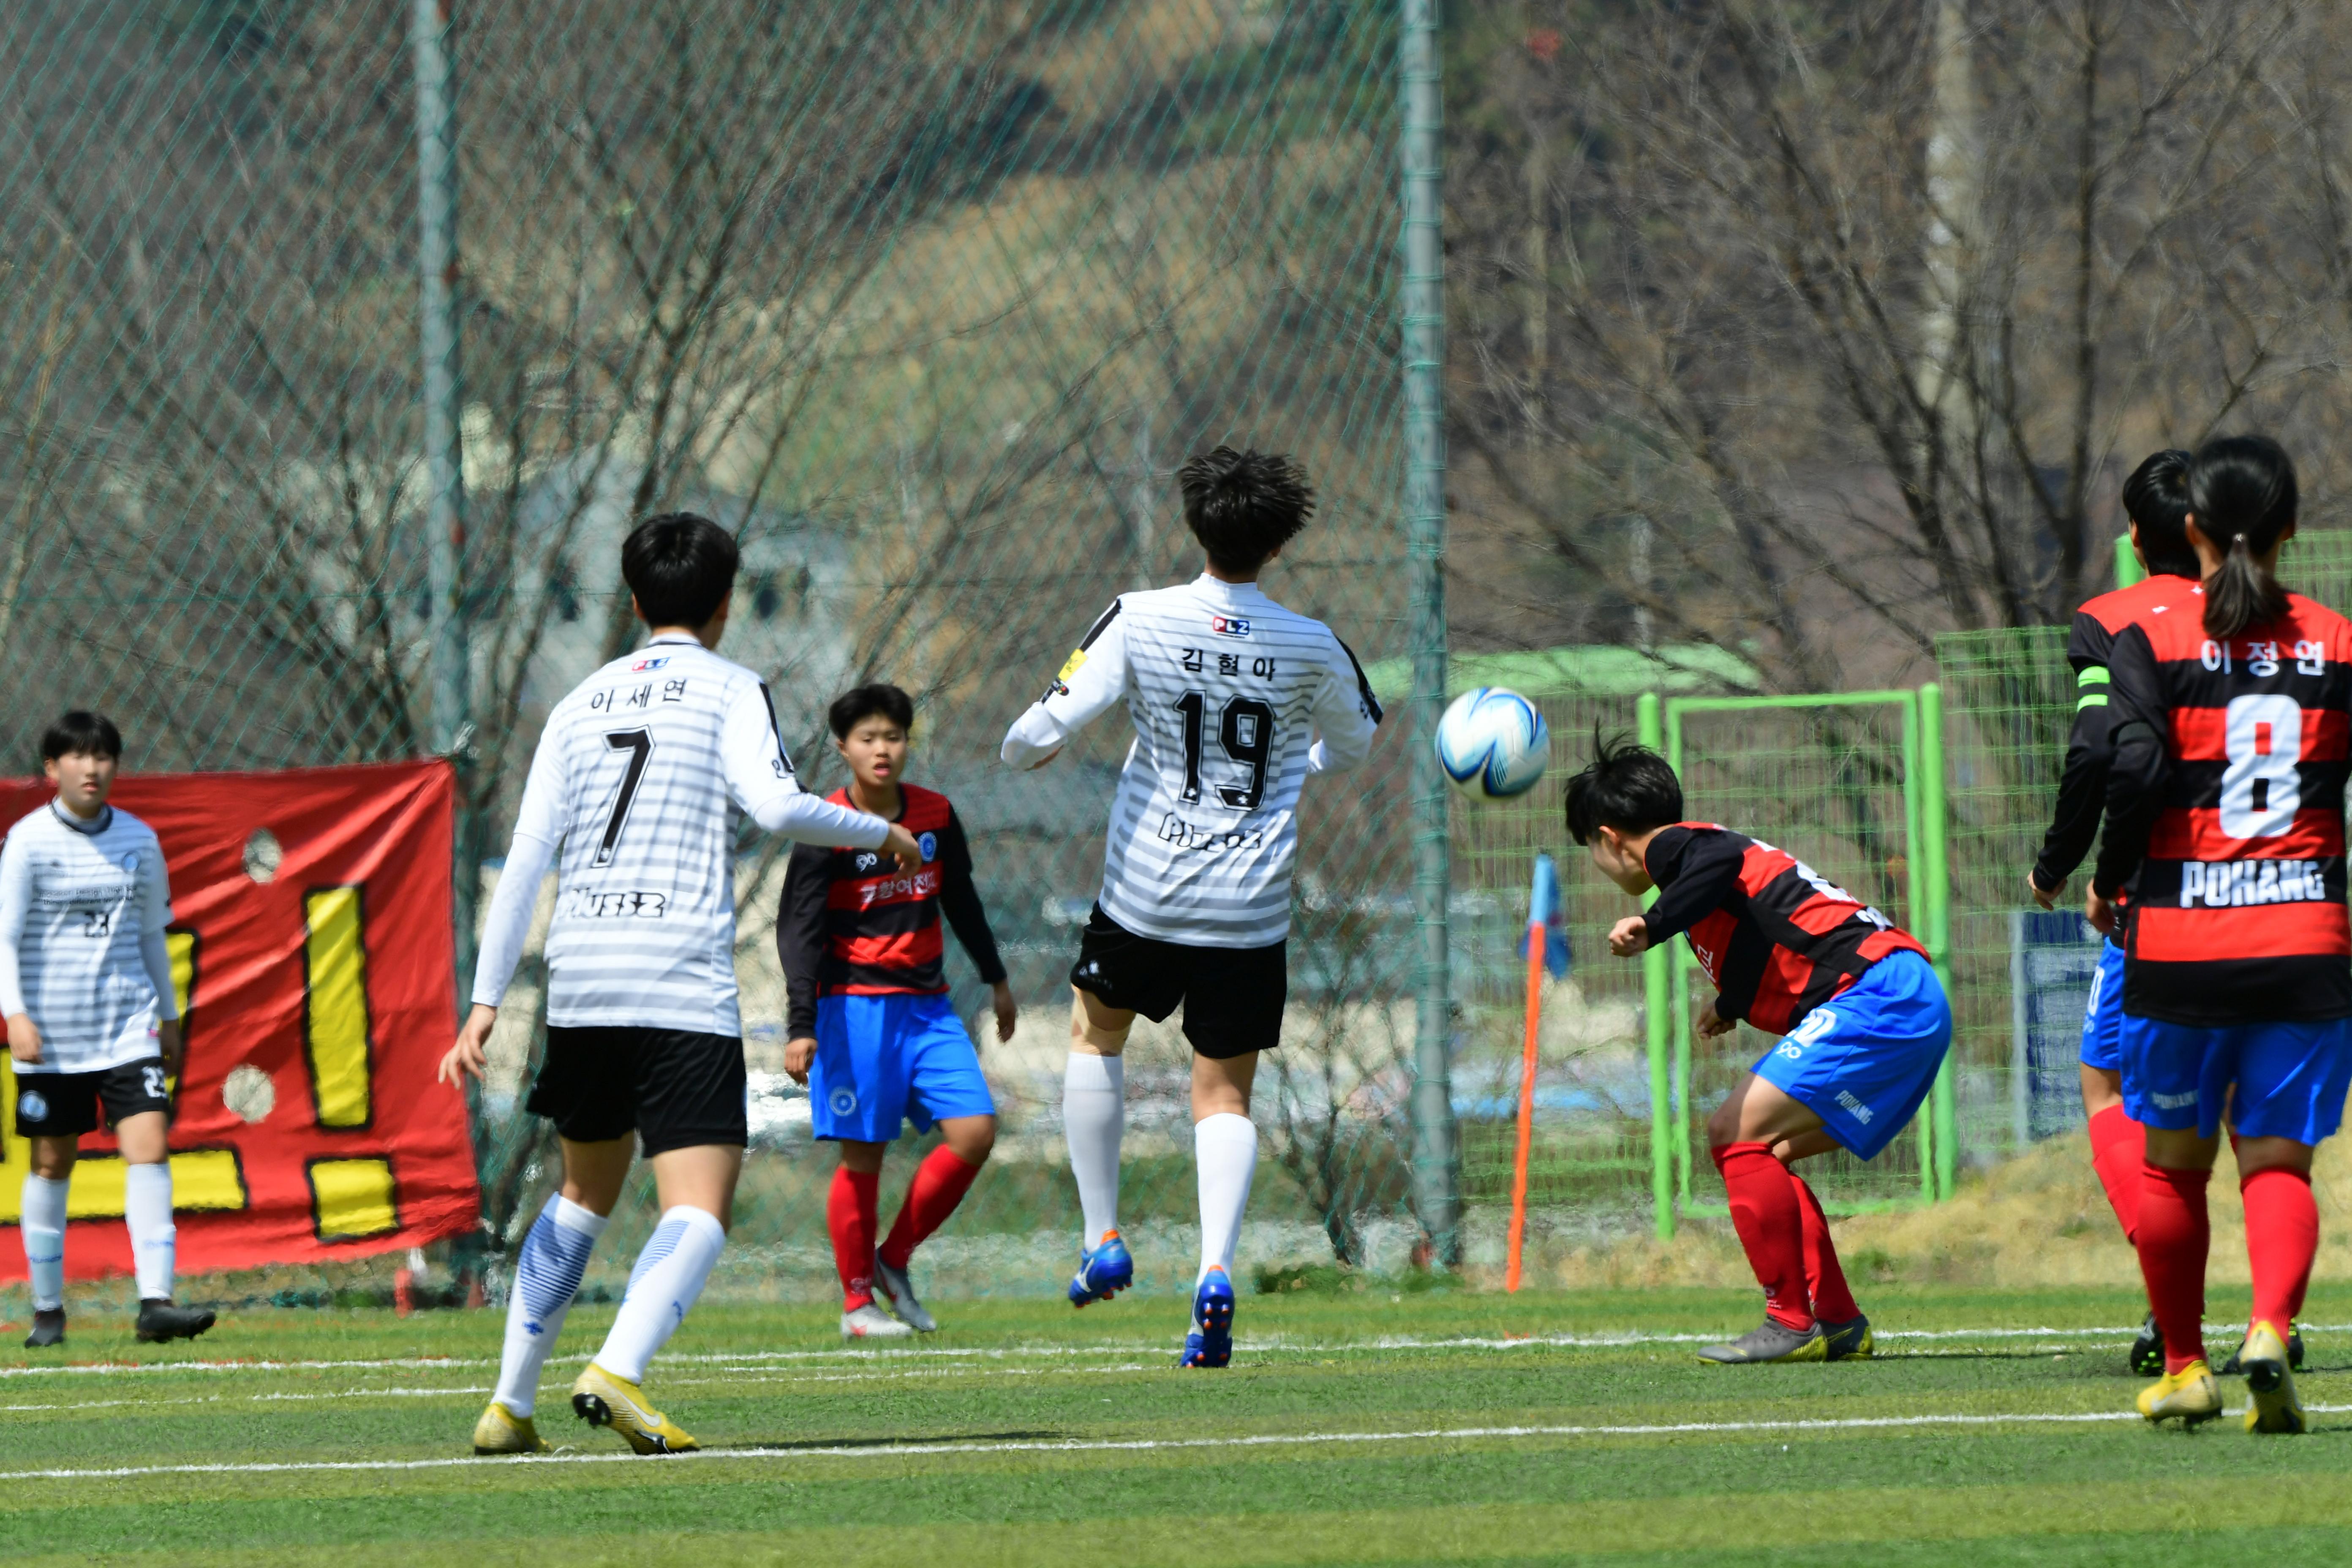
(1544, 910)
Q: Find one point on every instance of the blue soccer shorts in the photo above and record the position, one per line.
(882, 1059)
(1863, 1061)
(2290, 1077)
(2103, 1020)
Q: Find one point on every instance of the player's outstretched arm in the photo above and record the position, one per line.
(760, 779)
(1092, 680)
(1347, 715)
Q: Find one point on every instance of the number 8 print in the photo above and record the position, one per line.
(2261, 789)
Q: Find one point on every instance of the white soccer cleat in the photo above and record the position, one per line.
(871, 1322)
(892, 1285)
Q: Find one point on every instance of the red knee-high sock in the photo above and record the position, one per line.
(850, 1213)
(940, 1182)
(2281, 1238)
(1824, 1276)
(2173, 1236)
(1771, 1226)
(2119, 1149)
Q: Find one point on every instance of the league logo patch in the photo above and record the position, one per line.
(1229, 626)
(929, 844)
(843, 1101)
(645, 664)
(32, 1106)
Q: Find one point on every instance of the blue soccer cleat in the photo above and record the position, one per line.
(1210, 1342)
(1103, 1272)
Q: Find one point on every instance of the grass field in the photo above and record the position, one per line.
(1434, 1427)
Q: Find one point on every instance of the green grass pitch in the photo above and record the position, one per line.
(1356, 1428)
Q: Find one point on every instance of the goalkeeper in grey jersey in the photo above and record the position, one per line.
(1236, 700)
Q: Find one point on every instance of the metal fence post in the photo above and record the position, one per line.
(444, 503)
(1658, 1023)
(1934, 885)
(1436, 1159)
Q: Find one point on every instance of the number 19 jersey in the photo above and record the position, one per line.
(1235, 699)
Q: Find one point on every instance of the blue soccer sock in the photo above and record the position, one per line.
(547, 1275)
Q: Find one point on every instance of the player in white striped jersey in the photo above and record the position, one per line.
(1236, 700)
(643, 778)
(93, 1018)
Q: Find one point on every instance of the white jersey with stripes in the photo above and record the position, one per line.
(83, 905)
(644, 775)
(1236, 700)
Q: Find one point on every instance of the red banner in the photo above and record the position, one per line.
(312, 948)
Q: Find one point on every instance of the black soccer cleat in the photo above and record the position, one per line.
(160, 1320)
(2148, 1351)
(2234, 1366)
(49, 1328)
(1849, 1340)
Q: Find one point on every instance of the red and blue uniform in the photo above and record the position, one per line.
(864, 957)
(2082, 785)
(2225, 837)
(1863, 1020)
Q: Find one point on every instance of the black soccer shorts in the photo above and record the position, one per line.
(65, 1104)
(1233, 996)
(674, 1088)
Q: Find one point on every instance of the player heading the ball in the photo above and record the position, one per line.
(93, 1018)
(871, 1029)
(2225, 854)
(1235, 701)
(642, 779)
(1862, 1016)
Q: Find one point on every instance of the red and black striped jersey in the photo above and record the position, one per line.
(2225, 816)
(853, 924)
(2083, 787)
(1776, 937)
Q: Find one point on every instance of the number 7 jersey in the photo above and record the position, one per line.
(1235, 700)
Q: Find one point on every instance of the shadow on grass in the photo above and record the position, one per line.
(900, 1440)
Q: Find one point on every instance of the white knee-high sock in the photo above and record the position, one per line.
(1094, 1116)
(669, 1275)
(43, 1226)
(547, 1275)
(1224, 1146)
(147, 1209)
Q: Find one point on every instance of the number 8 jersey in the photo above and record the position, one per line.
(2225, 815)
(1236, 700)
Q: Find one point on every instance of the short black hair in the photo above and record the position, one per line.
(84, 733)
(681, 567)
(863, 702)
(1244, 506)
(2156, 496)
(1628, 787)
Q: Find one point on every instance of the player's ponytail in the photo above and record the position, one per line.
(2242, 499)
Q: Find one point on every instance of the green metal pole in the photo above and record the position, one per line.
(1917, 914)
(1678, 1019)
(1436, 1166)
(1659, 1027)
(1936, 885)
(2127, 567)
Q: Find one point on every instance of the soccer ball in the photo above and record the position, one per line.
(1492, 744)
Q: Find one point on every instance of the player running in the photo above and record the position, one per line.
(2225, 842)
(642, 778)
(93, 1020)
(1235, 701)
(1863, 1017)
(871, 1029)
(2156, 498)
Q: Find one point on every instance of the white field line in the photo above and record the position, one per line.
(1113, 1445)
(1273, 1345)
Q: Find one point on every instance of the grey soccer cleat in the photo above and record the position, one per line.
(893, 1285)
(1769, 1340)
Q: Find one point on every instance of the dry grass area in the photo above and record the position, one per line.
(2036, 1221)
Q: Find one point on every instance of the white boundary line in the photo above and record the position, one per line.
(1107, 1446)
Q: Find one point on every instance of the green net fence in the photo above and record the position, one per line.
(926, 301)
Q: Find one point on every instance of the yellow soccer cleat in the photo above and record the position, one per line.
(2265, 1361)
(501, 1431)
(603, 1400)
(2190, 1396)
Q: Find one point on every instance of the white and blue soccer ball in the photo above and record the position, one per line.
(1492, 744)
